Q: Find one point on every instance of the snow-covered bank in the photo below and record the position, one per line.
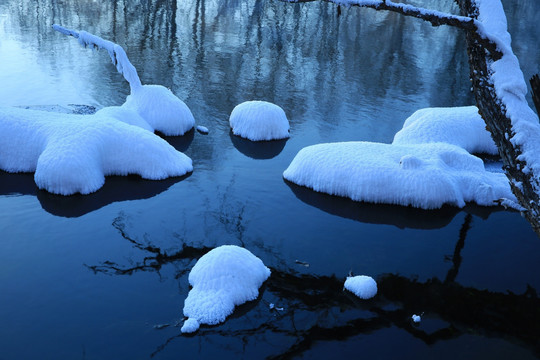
(225, 277)
(425, 175)
(259, 120)
(73, 153)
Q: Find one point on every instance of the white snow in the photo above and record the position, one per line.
(161, 109)
(73, 153)
(259, 120)
(157, 105)
(223, 278)
(365, 287)
(424, 175)
(416, 318)
(461, 126)
(202, 129)
(510, 85)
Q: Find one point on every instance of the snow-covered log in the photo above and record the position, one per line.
(498, 85)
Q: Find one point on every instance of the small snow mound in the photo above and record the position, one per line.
(410, 162)
(362, 286)
(259, 120)
(460, 126)
(416, 318)
(202, 129)
(161, 109)
(225, 277)
(190, 325)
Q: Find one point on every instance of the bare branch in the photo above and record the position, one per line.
(436, 18)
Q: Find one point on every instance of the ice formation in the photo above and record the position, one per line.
(259, 120)
(365, 287)
(156, 105)
(461, 126)
(424, 175)
(73, 153)
(223, 278)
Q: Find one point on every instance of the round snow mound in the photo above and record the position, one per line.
(362, 286)
(161, 109)
(223, 278)
(259, 120)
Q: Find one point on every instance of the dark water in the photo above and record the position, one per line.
(90, 277)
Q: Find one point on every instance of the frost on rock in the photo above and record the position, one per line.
(365, 287)
(225, 277)
(73, 153)
(259, 120)
(424, 176)
(461, 126)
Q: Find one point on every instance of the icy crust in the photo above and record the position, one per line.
(365, 287)
(259, 120)
(73, 153)
(225, 277)
(425, 176)
(509, 83)
(460, 126)
(161, 109)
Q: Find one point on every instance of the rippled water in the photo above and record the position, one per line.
(93, 276)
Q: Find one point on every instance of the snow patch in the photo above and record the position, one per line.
(223, 278)
(461, 126)
(365, 287)
(259, 120)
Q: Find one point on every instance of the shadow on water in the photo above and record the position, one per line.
(457, 310)
(116, 188)
(399, 216)
(259, 150)
(180, 143)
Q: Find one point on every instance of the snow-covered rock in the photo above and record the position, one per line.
(259, 120)
(73, 153)
(223, 278)
(161, 109)
(424, 176)
(461, 126)
(365, 287)
(202, 129)
(416, 318)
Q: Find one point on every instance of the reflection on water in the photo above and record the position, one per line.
(400, 216)
(100, 271)
(258, 149)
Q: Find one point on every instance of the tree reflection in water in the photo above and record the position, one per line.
(316, 309)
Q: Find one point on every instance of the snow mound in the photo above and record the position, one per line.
(161, 109)
(461, 126)
(126, 115)
(73, 153)
(259, 120)
(416, 318)
(362, 286)
(424, 176)
(223, 278)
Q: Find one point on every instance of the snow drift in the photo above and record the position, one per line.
(223, 278)
(259, 120)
